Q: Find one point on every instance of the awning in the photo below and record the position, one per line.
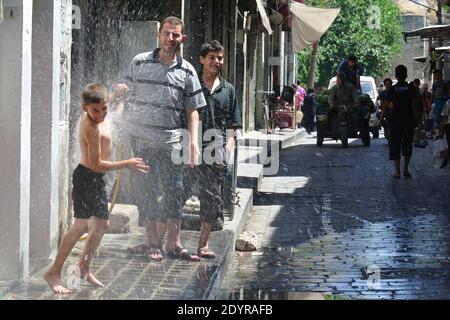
(309, 24)
(420, 59)
(434, 32)
(447, 48)
(264, 17)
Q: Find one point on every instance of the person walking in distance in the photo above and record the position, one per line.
(402, 123)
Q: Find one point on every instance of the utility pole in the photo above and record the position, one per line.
(439, 62)
(312, 66)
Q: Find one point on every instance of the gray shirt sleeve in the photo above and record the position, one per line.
(235, 121)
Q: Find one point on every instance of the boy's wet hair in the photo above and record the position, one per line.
(310, 90)
(401, 72)
(387, 79)
(210, 46)
(173, 21)
(95, 93)
(417, 81)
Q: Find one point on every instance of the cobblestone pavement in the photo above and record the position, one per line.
(335, 221)
(133, 276)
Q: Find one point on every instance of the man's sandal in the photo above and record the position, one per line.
(206, 253)
(181, 253)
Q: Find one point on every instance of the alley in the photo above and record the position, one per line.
(335, 221)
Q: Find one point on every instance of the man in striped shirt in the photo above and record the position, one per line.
(165, 94)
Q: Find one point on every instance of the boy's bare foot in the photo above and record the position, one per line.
(93, 280)
(89, 277)
(54, 281)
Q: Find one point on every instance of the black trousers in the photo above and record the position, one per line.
(401, 139)
(206, 181)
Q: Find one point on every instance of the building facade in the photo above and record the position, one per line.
(35, 39)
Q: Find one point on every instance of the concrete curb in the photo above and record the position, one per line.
(234, 228)
(250, 175)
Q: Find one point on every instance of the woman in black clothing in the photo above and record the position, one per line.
(309, 111)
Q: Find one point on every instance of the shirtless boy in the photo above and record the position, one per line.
(89, 194)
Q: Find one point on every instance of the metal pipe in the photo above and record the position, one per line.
(438, 12)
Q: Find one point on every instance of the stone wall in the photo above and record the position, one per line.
(15, 132)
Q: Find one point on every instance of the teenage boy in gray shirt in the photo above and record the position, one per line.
(220, 120)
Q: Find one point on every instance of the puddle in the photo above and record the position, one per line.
(254, 294)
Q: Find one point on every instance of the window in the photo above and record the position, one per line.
(367, 88)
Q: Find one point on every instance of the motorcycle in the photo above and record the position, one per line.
(333, 123)
(342, 122)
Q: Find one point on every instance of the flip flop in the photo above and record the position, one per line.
(181, 253)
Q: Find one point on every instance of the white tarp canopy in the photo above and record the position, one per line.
(309, 24)
(264, 17)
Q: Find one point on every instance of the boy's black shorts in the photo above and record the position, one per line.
(89, 194)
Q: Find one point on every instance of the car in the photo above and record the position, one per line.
(369, 87)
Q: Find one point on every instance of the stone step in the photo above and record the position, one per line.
(259, 148)
(250, 176)
(294, 139)
(285, 138)
(124, 218)
(249, 154)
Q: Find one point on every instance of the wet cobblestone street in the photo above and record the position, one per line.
(131, 276)
(335, 221)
